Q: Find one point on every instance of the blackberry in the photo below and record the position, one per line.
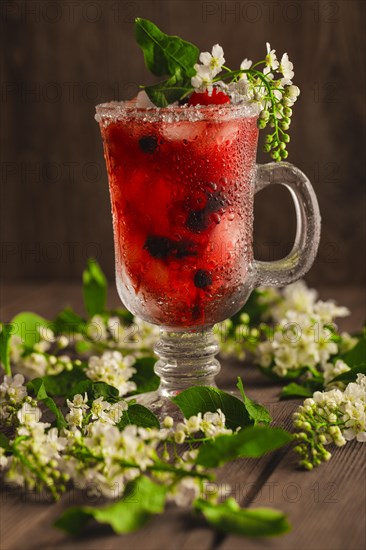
(158, 247)
(202, 279)
(148, 144)
(162, 248)
(197, 221)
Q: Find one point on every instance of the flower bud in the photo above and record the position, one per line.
(264, 115)
(179, 437)
(286, 138)
(284, 154)
(287, 111)
(261, 124)
(306, 464)
(269, 138)
(168, 422)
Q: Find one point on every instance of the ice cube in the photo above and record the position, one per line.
(226, 132)
(143, 101)
(187, 130)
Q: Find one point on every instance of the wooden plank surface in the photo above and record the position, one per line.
(326, 507)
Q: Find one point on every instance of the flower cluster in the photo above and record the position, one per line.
(121, 342)
(44, 357)
(303, 334)
(211, 424)
(96, 453)
(330, 417)
(114, 369)
(101, 410)
(274, 95)
(13, 399)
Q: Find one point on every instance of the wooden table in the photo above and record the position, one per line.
(326, 506)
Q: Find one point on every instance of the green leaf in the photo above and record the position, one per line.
(38, 388)
(351, 375)
(95, 390)
(167, 92)
(5, 335)
(26, 325)
(4, 443)
(164, 54)
(61, 384)
(145, 378)
(203, 399)
(257, 412)
(83, 346)
(228, 517)
(94, 288)
(251, 442)
(142, 498)
(295, 390)
(140, 416)
(69, 322)
(356, 355)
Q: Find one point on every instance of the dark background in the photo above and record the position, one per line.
(60, 58)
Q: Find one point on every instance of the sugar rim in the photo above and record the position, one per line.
(115, 111)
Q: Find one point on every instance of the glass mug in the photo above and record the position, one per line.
(182, 182)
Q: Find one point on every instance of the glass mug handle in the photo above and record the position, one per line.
(300, 259)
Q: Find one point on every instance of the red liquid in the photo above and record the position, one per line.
(182, 203)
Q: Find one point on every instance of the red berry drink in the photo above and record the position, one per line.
(181, 184)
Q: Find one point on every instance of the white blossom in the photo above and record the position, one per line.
(13, 388)
(79, 401)
(328, 311)
(16, 348)
(245, 64)
(286, 68)
(213, 424)
(185, 492)
(291, 94)
(214, 60)
(34, 365)
(202, 80)
(75, 417)
(96, 329)
(331, 370)
(29, 415)
(271, 60)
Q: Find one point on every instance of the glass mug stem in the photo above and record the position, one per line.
(186, 359)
